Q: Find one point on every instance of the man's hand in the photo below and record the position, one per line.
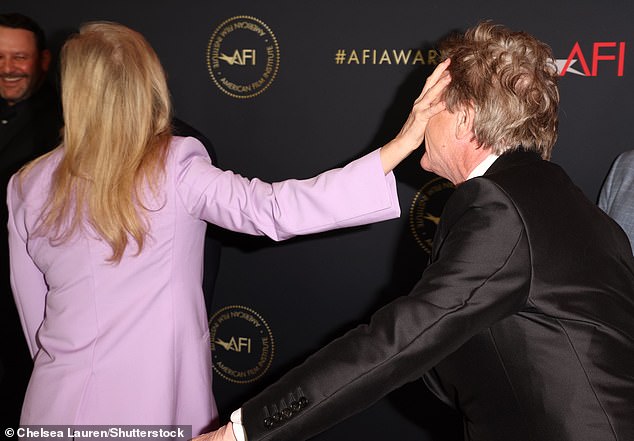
(225, 433)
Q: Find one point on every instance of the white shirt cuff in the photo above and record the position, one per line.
(236, 424)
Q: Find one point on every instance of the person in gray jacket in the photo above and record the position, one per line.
(617, 193)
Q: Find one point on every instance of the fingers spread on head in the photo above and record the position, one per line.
(439, 75)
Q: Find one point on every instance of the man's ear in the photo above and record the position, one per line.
(45, 60)
(464, 122)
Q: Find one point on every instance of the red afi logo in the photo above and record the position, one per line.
(612, 51)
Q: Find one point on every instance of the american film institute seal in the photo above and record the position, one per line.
(426, 208)
(243, 56)
(242, 345)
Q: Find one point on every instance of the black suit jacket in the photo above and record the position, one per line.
(524, 321)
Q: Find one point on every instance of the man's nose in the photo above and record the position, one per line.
(6, 65)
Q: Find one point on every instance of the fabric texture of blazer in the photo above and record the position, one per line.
(617, 193)
(128, 344)
(523, 321)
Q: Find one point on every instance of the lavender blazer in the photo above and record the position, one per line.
(129, 343)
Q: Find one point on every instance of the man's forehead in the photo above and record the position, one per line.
(17, 39)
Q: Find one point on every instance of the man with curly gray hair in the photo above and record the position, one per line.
(524, 319)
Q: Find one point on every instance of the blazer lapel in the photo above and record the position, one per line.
(509, 160)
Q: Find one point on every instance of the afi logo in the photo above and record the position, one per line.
(606, 52)
(239, 57)
(236, 345)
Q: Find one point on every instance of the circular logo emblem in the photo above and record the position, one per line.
(242, 345)
(424, 213)
(243, 56)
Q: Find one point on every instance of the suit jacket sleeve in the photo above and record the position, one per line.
(27, 281)
(480, 273)
(616, 196)
(606, 196)
(357, 194)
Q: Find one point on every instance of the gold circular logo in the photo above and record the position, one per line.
(426, 208)
(242, 345)
(243, 56)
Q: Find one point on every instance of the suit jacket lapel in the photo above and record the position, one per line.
(515, 158)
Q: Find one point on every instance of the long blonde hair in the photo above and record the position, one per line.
(117, 115)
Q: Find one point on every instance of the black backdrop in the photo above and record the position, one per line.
(318, 113)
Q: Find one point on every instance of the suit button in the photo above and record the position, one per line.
(269, 422)
(303, 402)
(287, 413)
(295, 406)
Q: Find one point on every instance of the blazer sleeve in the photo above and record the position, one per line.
(606, 195)
(27, 281)
(357, 194)
(615, 195)
(480, 274)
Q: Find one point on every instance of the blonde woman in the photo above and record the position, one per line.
(106, 238)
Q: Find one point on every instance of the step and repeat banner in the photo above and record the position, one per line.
(287, 89)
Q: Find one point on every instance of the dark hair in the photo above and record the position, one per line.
(18, 21)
